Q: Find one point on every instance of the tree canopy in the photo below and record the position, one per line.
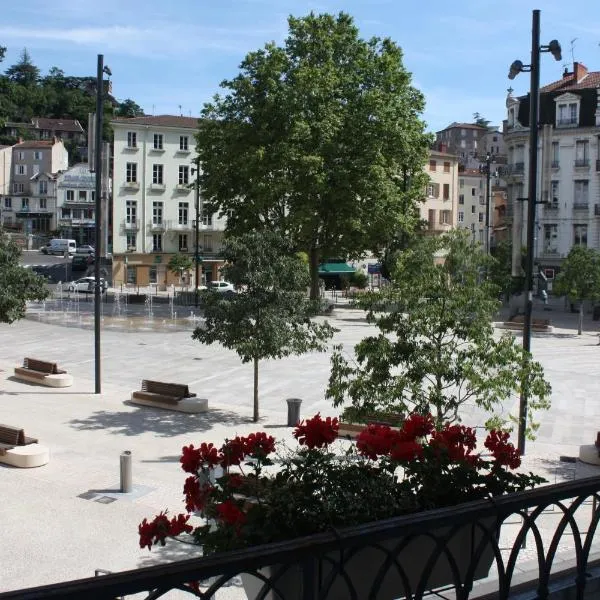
(436, 348)
(269, 317)
(317, 139)
(579, 278)
(25, 93)
(17, 284)
(179, 264)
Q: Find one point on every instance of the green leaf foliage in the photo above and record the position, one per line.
(269, 317)
(180, 263)
(436, 349)
(17, 284)
(317, 139)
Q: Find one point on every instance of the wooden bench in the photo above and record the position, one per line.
(175, 396)
(43, 372)
(18, 450)
(517, 322)
(349, 430)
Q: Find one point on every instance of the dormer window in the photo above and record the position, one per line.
(567, 110)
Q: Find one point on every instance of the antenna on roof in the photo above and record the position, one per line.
(180, 113)
(573, 50)
(153, 110)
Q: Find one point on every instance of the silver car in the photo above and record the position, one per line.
(86, 285)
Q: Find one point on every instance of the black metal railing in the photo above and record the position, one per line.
(322, 566)
(582, 162)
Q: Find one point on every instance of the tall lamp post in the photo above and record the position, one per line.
(534, 69)
(489, 159)
(98, 216)
(198, 210)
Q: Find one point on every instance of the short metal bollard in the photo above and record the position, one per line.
(293, 411)
(126, 484)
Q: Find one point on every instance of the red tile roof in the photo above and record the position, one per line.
(161, 121)
(58, 124)
(590, 80)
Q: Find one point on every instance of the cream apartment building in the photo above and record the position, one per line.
(440, 203)
(472, 189)
(154, 202)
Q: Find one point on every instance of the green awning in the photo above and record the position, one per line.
(336, 269)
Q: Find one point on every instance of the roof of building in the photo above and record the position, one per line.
(58, 124)
(464, 126)
(579, 79)
(160, 121)
(35, 144)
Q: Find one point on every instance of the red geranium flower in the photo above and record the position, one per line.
(196, 496)
(502, 450)
(376, 440)
(193, 458)
(457, 440)
(316, 432)
(259, 445)
(416, 426)
(230, 513)
(233, 452)
(157, 530)
(406, 450)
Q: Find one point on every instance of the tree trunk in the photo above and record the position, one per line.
(313, 257)
(255, 416)
(580, 330)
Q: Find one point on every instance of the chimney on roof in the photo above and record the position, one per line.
(580, 71)
(567, 73)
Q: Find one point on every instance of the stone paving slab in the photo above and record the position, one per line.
(55, 534)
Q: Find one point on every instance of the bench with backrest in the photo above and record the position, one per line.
(539, 324)
(170, 393)
(18, 450)
(44, 372)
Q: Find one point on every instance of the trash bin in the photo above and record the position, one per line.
(293, 411)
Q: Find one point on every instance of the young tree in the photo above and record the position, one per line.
(17, 284)
(269, 316)
(317, 139)
(579, 278)
(179, 264)
(436, 349)
(24, 72)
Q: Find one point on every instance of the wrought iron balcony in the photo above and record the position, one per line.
(597, 210)
(323, 564)
(597, 165)
(130, 224)
(568, 122)
(582, 162)
(581, 205)
(555, 164)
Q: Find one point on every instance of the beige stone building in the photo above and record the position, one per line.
(440, 203)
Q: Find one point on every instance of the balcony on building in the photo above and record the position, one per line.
(131, 185)
(177, 226)
(157, 187)
(567, 122)
(597, 210)
(581, 163)
(598, 165)
(581, 206)
(182, 188)
(555, 164)
(159, 225)
(551, 207)
(130, 224)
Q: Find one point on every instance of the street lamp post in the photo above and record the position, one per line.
(489, 159)
(534, 68)
(98, 217)
(197, 232)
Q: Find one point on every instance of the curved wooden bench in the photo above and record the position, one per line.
(18, 450)
(173, 396)
(43, 372)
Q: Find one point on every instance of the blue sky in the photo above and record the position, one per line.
(170, 54)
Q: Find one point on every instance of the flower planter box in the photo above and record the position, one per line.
(381, 571)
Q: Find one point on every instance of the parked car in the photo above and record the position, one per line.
(81, 262)
(85, 250)
(86, 285)
(221, 286)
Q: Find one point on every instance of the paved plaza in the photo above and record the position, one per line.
(66, 519)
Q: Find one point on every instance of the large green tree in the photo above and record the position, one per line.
(269, 317)
(436, 349)
(17, 284)
(317, 139)
(579, 278)
(24, 72)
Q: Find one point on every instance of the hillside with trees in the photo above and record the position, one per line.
(26, 93)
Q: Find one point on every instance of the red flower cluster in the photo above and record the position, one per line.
(400, 445)
(233, 452)
(193, 458)
(502, 450)
(458, 441)
(196, 496)
(161, 527)
(259, 445)
(230, 513)
(316, 432)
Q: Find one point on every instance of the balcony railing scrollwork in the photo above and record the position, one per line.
(567, 514)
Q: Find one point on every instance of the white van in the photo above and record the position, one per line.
(59, 246)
